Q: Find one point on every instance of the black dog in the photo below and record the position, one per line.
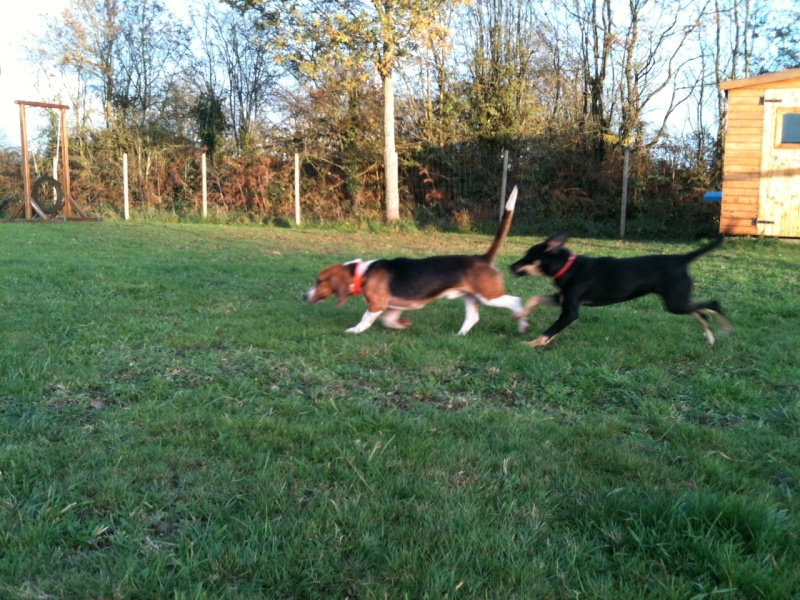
(584, 281)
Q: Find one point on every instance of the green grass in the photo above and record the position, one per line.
(176, 423)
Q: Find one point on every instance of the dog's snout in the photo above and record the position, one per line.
(523, 267)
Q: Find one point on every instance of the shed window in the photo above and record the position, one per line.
(790, 128)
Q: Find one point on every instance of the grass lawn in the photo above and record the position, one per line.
(175, 422)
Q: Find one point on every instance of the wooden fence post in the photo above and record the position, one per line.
(26, 167)
(503, 184)
(623, 213)
(65, 180)
(296, 188)
(126, 202)
(205, 186)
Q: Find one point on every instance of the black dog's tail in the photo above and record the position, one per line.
(700, 251)
(505, 225)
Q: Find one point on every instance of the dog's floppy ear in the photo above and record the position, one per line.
(341, 285)
(556, 242)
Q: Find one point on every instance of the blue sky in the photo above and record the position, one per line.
(17, 76)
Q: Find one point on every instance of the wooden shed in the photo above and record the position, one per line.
(761, 173)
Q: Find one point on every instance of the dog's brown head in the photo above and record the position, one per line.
(331, 281)
(541, 258)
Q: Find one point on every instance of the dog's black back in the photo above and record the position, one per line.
(427, 277)
(605, 280)
(586, 281)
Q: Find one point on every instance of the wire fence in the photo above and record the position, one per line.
(458, 186)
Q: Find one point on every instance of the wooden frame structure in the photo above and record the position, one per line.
(761, 173)
(28, 206)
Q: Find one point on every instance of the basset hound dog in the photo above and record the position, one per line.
(391, 286)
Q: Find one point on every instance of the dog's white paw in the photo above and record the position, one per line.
(523, 325)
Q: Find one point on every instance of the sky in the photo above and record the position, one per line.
(17, 75)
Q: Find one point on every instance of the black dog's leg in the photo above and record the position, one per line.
(535, 301)
(715, 308)
(569, 313)
(705, 323)
(678, 302)
(702, 310)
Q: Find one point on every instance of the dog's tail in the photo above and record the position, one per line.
(505, 225)
(700, 251)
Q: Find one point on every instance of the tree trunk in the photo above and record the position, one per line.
(389, 153)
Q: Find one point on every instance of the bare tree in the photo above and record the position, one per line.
(149, 56)
(735, 28)
(652, 59)
(81, 45)
(502, 42)
(377, 32)
(237, 62)
(123, 55)
(597, 33)
(431, 81)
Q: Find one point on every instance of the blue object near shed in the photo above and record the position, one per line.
(712, 197)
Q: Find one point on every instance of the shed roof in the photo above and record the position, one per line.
(760, 80)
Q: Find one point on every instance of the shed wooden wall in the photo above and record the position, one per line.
(742, 167)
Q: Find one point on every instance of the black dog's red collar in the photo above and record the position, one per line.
(566, 266)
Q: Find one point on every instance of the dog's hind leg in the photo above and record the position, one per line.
(512, 303)
(703, 311)
(391, 319)
(535, 301)
(713, 307)
(702, 318)
(680, 304)
(726, 327)
(471, 316)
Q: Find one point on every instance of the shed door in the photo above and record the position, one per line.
(779, 198)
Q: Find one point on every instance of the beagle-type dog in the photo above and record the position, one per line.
(585, 281)
(391, 286)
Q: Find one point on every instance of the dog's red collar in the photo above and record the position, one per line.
(566, 266)
(358, 277)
